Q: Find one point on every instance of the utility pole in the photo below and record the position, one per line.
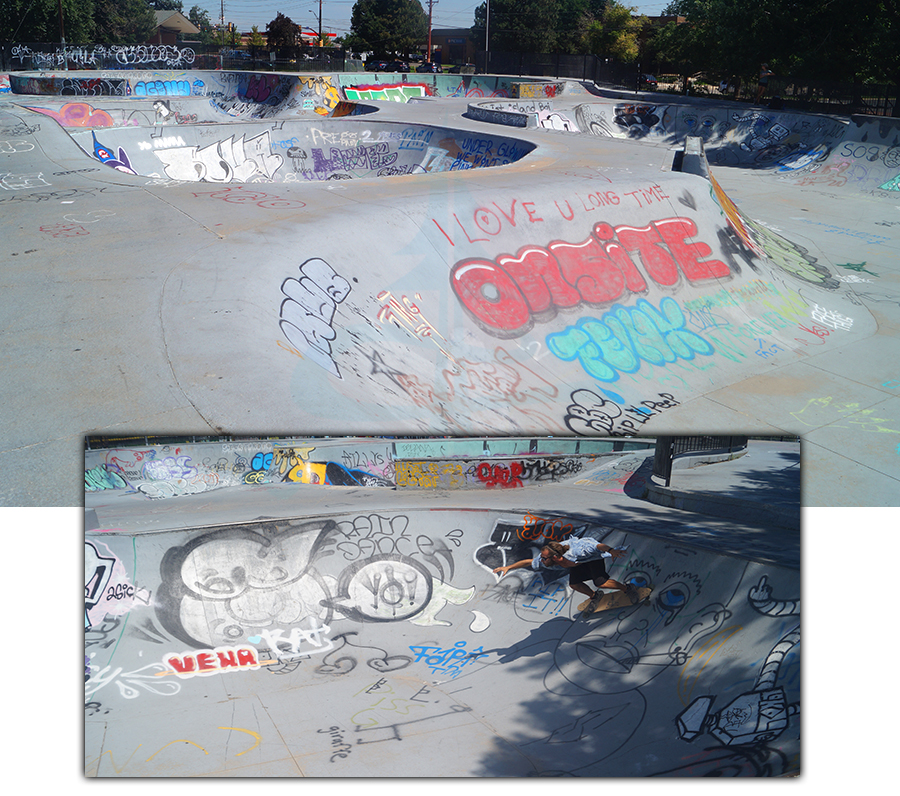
(431, 3)
(62, 38)
(320, 23)
(487, 38)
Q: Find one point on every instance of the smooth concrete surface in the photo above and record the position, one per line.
(584, 274)
(165, 487)
(166, 471)
(289, 629)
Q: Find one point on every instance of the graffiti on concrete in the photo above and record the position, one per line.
(308, 310)
(230, 160)
(116, 160)
(625, 337)
(109, 56)
(503, 296)
(714, 653)
(395, 92)
(242, 584)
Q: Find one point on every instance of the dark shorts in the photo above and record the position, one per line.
(594, 570)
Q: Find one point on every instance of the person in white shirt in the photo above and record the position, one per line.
(584, 558)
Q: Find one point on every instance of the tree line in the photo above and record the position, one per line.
(726, 39)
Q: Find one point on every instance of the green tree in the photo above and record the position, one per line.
(123, 21)
(200, 18)
(518, 25)
(805, 39)
(38, 21)
(166, 5)
(614, 33)
(257, 41)
(281, 32)
(387, 27)
(573, 18)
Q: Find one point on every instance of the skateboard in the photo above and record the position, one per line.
(615, 599)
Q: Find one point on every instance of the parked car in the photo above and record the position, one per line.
(397, 66)
(431, 67)
(376, 66)
(455, 70)
(648, 83)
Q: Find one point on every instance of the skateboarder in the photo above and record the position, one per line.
(584, 560)
(763, 81)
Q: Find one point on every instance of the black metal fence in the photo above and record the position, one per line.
(814, 96)
(602, 71)
(783, 93)
(669, 448)
(41, 56)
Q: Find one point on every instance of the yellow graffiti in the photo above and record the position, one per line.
(851, 412)
(307, 473)
(180, 740)
(323, 88)
(112, 761)
(702, 658)
(119, 770)
(429, 474)
(286, 459)
(375, 720)
(249, 732)
(733, 215)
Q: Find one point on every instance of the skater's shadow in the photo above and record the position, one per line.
(541, 639)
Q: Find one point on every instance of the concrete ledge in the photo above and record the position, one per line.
(712, 505)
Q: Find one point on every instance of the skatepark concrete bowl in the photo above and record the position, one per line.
(228, 634)
(225, 252)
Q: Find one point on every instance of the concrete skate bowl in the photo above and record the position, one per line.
(585, 287)
(857, 153)
(381, 644)
(167, 471)
(300, 152)
(253, 129)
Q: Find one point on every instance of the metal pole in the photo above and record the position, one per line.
(430, 6)
(62, 38)
(487, 38)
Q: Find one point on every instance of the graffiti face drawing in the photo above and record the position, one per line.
(627, 648)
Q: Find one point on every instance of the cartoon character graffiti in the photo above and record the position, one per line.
(118, 161)
(97, 573)
(240, 584)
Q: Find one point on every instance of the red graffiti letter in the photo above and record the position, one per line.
(182, 665)
(227, 659)
(646, 242)
(491, 296)
(206, 661)
(537, 274)
(590, 269)
(674, 231)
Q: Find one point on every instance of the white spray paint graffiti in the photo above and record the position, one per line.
(231, 160)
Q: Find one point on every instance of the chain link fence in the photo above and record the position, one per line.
(844, 99)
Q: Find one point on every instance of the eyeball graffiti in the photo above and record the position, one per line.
(384, 588)
(226, 585)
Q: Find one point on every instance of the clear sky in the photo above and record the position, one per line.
(336, 13)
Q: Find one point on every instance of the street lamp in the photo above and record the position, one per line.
(487, 37)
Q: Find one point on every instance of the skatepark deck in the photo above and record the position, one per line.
(228, 634)
(239, 253)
